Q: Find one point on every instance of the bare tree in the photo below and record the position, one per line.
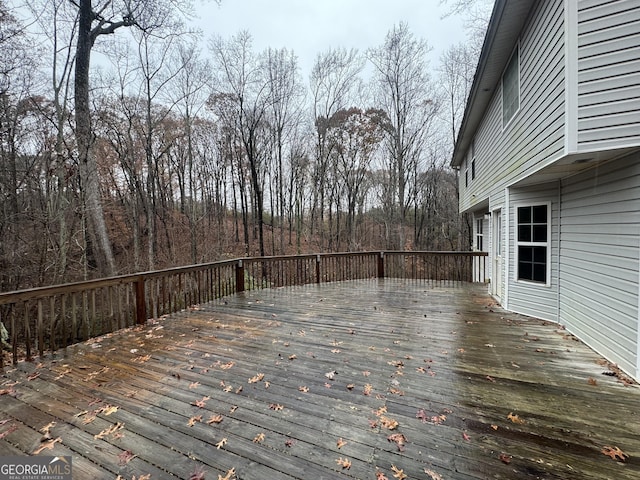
(242, 79)
(355, 136)
(334, 78)
(96, 19)
(404, 91)
(284, 100)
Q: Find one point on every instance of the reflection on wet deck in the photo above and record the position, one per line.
(365, 379)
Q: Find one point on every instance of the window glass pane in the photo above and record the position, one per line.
(539, 254)
(524, 233)
(539, 273)
(525, 271)
(524, 214)
(525, 254)
(510, 93)
(540, 214)
(539, 233)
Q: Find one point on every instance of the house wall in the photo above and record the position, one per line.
(525, 297)
(536, 133)
(608, 74)
(599, 259)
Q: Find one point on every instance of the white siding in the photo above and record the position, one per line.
(526, 297)
(600, 244)
(608, 74)
(536, 133)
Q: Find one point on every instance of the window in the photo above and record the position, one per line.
(473, 159)
(533, 243)
(479, 235)
(511, 88)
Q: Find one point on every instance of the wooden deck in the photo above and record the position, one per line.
(366, 379)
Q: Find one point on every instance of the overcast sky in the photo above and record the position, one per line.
(309, 27)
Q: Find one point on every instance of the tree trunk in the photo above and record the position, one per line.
(101, 245)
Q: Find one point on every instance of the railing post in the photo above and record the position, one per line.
(381, 265)
(318, 277)
(141, 301)
(239, 276)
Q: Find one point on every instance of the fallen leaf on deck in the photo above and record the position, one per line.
(289, 442)
(221, 443)
(495, 427)
(465, 436)
(303, 389)
(433, 475)
(233, 408)
(48, 445)
(142, 359)
(388, 423)
(109, 431)
(125, 457)
(258, 438)
(194, 385)
(276, 407)
(399, 439)
(193, 420)
(201, 403)
(88, 419)
(227, 365)
(345, 463)
(504, 458)
(107, 409)
(330, 375)
(367, 389)
(47, 428)
(398, 473)
(515, 418)
(10, 430)
(381, 411)
(615, 453)
(490, 378)
(215, 419)
(198, 473)
(341, 443)
(592, 381)
(422, 415)
(256, 378)
(229, 476)
(380, 475)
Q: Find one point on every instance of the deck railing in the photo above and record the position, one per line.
(47, 319)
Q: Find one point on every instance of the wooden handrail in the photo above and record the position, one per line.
(47, 318)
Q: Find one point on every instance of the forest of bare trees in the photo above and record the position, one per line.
(129, 143)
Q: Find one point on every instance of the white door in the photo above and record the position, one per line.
(497, 254)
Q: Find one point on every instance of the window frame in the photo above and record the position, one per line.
(473, 159)
(479, 243)
(546, 243)
(515, 55)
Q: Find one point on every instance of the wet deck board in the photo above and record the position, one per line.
(445, 354)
